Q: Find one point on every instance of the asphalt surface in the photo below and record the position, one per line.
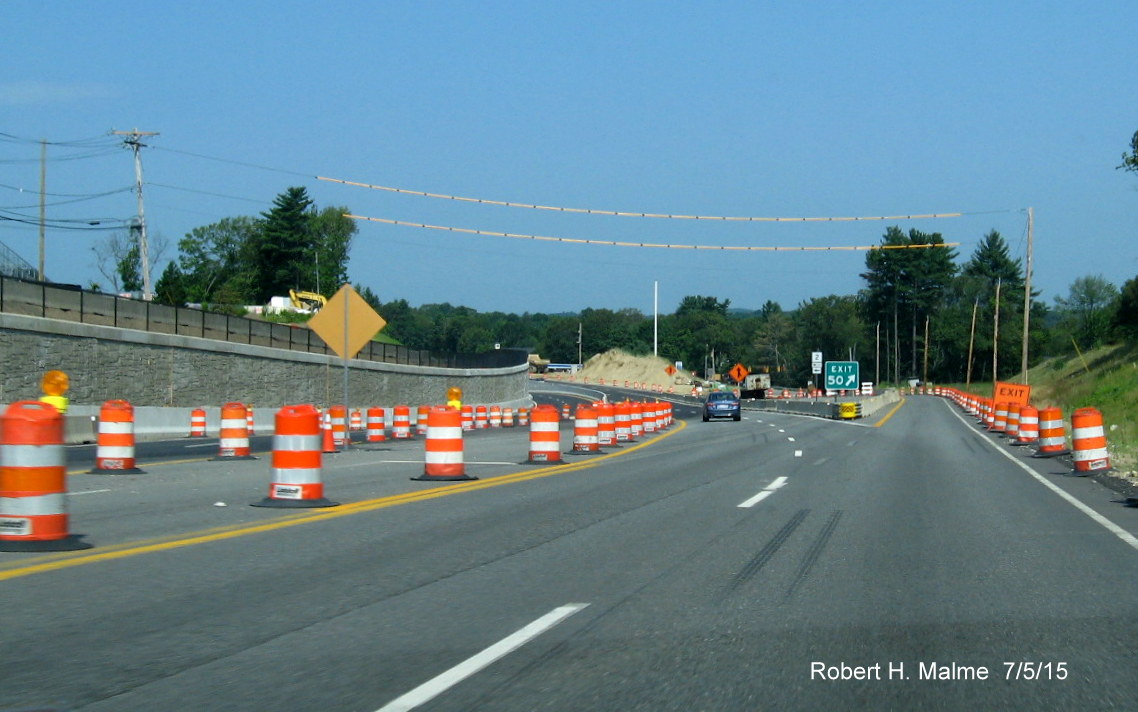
(633, 580)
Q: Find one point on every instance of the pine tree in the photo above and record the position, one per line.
(281, 249)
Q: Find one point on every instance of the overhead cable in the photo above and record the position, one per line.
(622, 213)
(615, 243)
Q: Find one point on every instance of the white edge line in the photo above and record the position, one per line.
(1110, 526)
(76, 494)
(441, 683)
(778, 482)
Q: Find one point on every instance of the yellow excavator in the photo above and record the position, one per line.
(307, 301)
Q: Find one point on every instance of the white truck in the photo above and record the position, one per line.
(755, 385)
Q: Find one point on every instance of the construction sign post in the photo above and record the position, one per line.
(346, 324)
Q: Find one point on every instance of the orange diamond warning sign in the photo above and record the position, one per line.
(738, 372)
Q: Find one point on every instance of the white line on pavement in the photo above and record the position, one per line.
(798, 453)
(441, 683)
(755, 500)
(1101, 520)
(767, 492)
(76, 494)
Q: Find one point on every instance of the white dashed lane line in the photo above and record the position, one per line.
(767, 492)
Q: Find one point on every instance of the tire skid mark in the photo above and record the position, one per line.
(767, 553)
(815, 551)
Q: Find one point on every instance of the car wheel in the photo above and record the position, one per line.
(705, 418)
(739, 416)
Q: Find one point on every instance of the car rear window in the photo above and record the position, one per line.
(721, 396)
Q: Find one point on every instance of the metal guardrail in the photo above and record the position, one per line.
(31, 298)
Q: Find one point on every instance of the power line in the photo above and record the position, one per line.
(236, 163)
(628, 214)
(616, 243)
(77, 199)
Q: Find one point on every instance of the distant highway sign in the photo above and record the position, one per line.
(842, 375)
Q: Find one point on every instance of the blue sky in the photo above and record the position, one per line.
(739, 109)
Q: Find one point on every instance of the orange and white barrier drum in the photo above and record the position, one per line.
(507, 417)
(544, 435)
(636, 420)
(376, 425)
(565, 411)
(1012, 428)
(585, 438)
(467, 414)
(1052, 436)
(1000, 418)
(234, 441)
(648, 418)
(401, 423)
(422, 416)
(356, 422)
(622, 415)
(249, 427)
(481, 418)
(33, 480)
(197, 423)
(1028, 426)
(339, 416)
(523, 416)
(296, 474)
(1088, 441)
(114, 441)
(606, 424)
(495, 416)
(443, 459)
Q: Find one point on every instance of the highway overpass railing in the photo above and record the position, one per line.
(31, 298)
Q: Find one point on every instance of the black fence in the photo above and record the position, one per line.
(53, 301)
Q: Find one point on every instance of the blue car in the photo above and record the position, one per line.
(722, 404)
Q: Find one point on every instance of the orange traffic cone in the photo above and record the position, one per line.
(329, 443)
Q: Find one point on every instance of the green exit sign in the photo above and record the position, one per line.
(842, 375)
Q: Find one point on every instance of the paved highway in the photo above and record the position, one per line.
(780, 562)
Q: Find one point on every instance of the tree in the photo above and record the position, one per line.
(117, 259)
(327, 252)
(1126, 316)
(904, 285)
(831, 325)
(281, 251)
(1088, 308)
(217, 258)
(1130, 160)
(170, 288)
(989, 267)
(693, 303)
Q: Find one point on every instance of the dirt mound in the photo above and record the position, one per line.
(617, 365)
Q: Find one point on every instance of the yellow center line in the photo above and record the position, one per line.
(64, 560)
(889, 415)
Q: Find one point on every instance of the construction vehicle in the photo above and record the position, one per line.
(307, 301)
(755, 385)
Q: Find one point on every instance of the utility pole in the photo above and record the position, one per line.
(134, 140)
(996, 333)
(925, 369)
(656, 318)
(579, 364)
(43, 206)
(1026, 296)
(971, 341)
